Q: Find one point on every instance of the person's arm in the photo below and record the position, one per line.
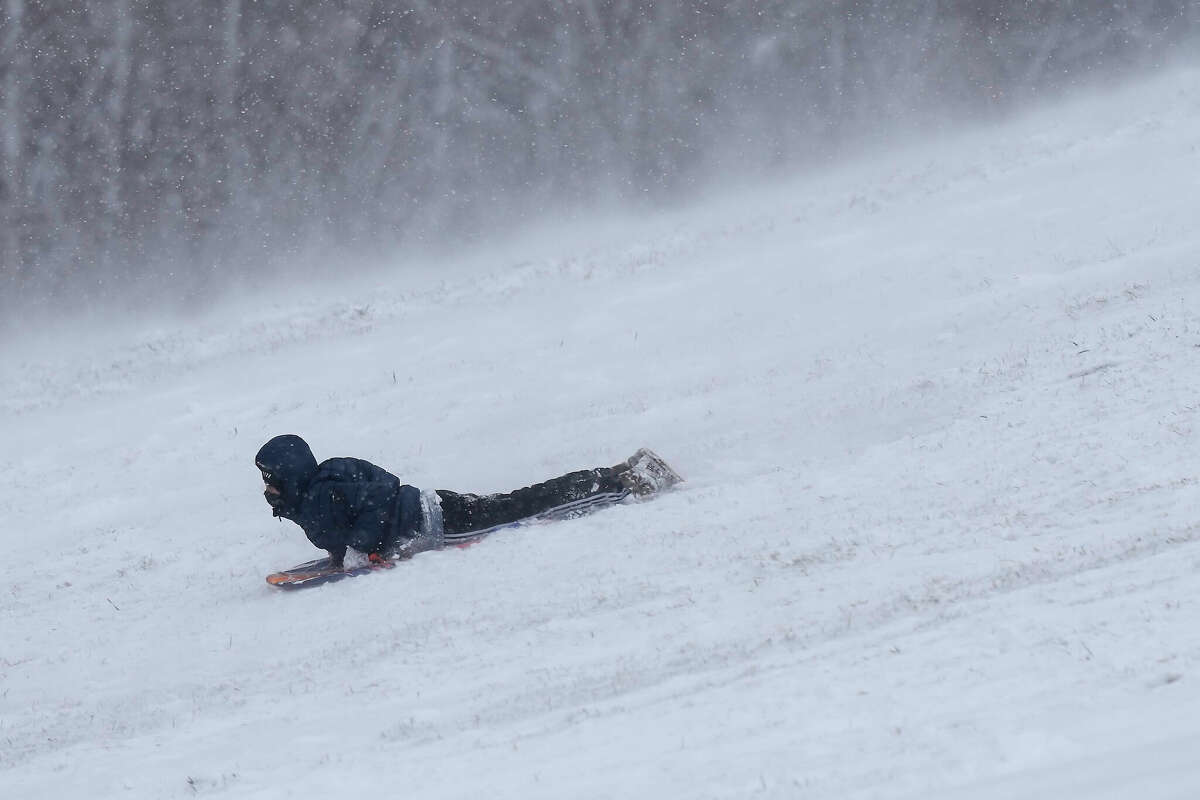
(360, 514)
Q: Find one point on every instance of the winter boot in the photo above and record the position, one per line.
(645, 473)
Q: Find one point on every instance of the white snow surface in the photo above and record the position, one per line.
(938, 410)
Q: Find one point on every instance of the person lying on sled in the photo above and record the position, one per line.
(350, 503)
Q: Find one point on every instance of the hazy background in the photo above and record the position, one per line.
(161, 149)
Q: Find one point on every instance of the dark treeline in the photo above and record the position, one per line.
(174, 142)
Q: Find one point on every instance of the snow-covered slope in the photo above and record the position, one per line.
(939, 414)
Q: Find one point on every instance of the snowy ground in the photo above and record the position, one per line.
(939, 410)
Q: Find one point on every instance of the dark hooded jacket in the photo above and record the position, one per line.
(342, 502)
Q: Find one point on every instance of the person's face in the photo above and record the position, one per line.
(271, 491)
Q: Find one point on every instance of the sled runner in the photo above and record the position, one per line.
(322, 571)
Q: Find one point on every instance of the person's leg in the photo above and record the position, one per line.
(470, 515)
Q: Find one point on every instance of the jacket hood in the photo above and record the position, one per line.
(288, 464)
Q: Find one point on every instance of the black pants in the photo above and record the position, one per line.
(466, 516)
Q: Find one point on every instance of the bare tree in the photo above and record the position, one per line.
(14, 69)
(169, 142)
